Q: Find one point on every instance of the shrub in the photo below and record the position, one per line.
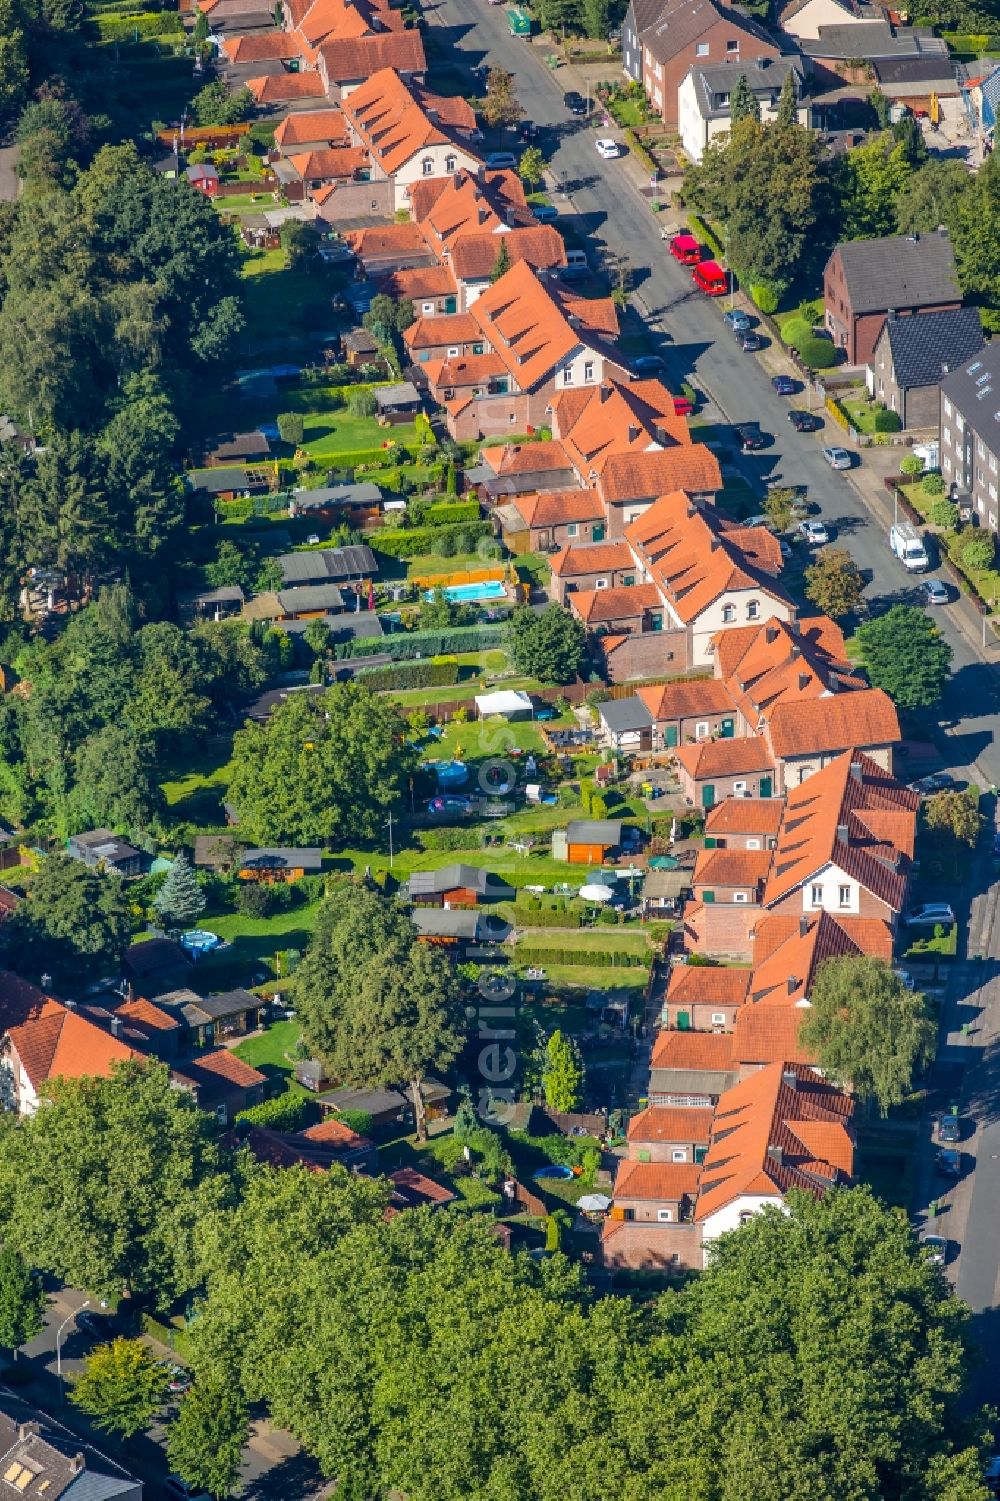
(526, 954)
(911, 465)
(444, 541)
(886, 421)
(288, 1112)
(444, 512)
(942, 513)
(426, 643)
(818, 354)
(765, 297)
(933, 484)
(422, 674)
(796, 331)
(356, 1120)
(978, 551)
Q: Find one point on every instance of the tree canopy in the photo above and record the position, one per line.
(326, 768)
(121, 1387)
(906, 655)
(22, 1300)
(868, 1031)
(73, 923)
(547, 645)
(834, 583)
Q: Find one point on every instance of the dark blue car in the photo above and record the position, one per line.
(784, 385)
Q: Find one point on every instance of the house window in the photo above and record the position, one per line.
(753, 844)
(728, 614)
(946, 465)
(740, 896)
(627, 581)
(664, 1216)
(701, 50)
(845, 896)
(946, 435)
(753, 609)
(746, 1215)
(739, 789)
(816, 895)
(993, 463)
(427, 166)
(478, 349)
(450, 163)
(732, 46)
(454, 352)
(947, 407)
(571, 529)
(588, 370)
(678, 1154)
(718, 1018)
(427, 307)
(701, 730)
(960, 422)
(424, 356)
(600, 583)
(980, 449)
(568, 376)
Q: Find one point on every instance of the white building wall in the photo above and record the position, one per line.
(729, 1217)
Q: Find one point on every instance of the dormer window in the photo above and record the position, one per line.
(427, 166)
(568, 376)
(728, 614)
(450, 163)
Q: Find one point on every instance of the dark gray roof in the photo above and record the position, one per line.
(214, 481)
(765, 77)
(871, 40)
(311, 597)
(975, 390)
(432, 882)
(225, 594)
(453, 922)
(594, 831)
(403, 394)
(53, 1456)
(357, 624)
(915, 70)
(217, 1007)
(927, 346)
(668, 883)
(241, 446)
(682, 22)
(364, 493)
(359, 341)
(107, 845)
(265, 705)
(371, 1101)
(309, 857)
(320, 564)
(621, 714)
(901, 271)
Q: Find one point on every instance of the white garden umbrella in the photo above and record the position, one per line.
(593, 1203)
(595, 893)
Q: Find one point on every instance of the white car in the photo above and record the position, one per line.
(936, 1247)
(929, 915)
(837, 458)
(608, 148)
(814, 532)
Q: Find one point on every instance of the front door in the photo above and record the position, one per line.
(765, 787)
(708, 795)
(597, 532)
(683, 1021)
(671, 736)
(728, 729)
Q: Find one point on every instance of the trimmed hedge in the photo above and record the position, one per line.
(639, 151)
(287, 1112)
(175, 1339)
(148, 24)
(445, 512)
(701, 230)
(532, 917)
(412, 542)
(410, 675)
(818, 354)
(410, 644)
(599, 958)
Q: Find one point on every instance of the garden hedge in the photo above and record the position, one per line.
(818, 354)
(287, 1112)
(702, 230)
(410, 675)
(599, 958)
(445, 512)
(424, 643)
(412, 542)
(533, 917)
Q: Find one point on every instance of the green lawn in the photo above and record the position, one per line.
(254, 943)
(334, 432)
(862, 413)
(594, 977)
(628, 112)
(195, 791)
(285, 309)
(586, 940)
(270, 1053)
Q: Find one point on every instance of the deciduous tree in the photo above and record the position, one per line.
(116, 782)
(73, 922)
(906, 655)
(834, 583)
(500, 107)
(22, 1301)
(531, 167)
(548, 645)
(121, 1387)
(563, 1074)
(957, 813)
(206, 1439)
(868, 1031)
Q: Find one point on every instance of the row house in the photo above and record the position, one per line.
(408, 133)
(664, 1133)
(704, 998)
(346, 63)
(303, 173)
(447, 336)
(550, 520)
(711, 770)
(510, 469)
(744, 823)
(311, 130)
(727, 888)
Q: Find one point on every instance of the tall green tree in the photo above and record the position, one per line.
(104, 1186)
(562, 1077)
(548, 645)
(22, 1301)
(500, 108)
(531, 167)
(206, 1439)
(121, 1387)
(743, 102)
(377, 1005)
(875, 175)
(180, 901)
(787, 113)
(73, 923)
(930, 196)
(833, 582)
(906, 655)
(868, 1031)
(974, 222)
(325, 768)
(955, 813)
(502, 263)
(116, 784)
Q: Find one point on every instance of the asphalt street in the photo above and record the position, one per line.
(687, 331)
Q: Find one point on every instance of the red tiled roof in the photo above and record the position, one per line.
(709, 1051)
(525, 458)
(333, 1132)
(392, 120)
(769, 1034)
(782, 661)
(639, 476)
(745, 815)
(386, 239)
(865, 717)
(447, 328)
(298, 129)
(788, 950)
(766, 1111)
(463, 370)
(670, 1123)
(615, 418)
(708, 984)
(223, 1064)
(598, 314)
(596, 557)
(276, 88)
(686, 700)
(731, 867)
(526, 324)
(330, 161)
(473, 256)
(594, 606)
(261, 47)
(54, 1042)
(558, 507)
(147, 1015)
(838, 798)
(347, 58)
(724, 758)
(412, 1189)
(420, 281)
(656, 1180)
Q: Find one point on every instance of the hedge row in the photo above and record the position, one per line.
(175, 1339)
(599, 958)
(148, 24)
(287, 1112)
(700, 229)
(410, 644)
(444, 512)
(412, 542)
(410, 675)
(531, 917)
(639, 151)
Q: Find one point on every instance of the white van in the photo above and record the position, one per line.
(908, 545)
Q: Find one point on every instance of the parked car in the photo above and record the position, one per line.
(784, 385)
(545, 213)
(175, 1486)
(814, 532)
(948, 1162)
(527, 130)
(647, 364)
(784, 548)
(96, 1325)
(711, 278)
(502, 161)
(929, 915)
(750, 437)
(685, 248)
(905, 978)
(575, 103)
(804, 422)
(737, 319)
(750, 341)
(949, 1130)
(608, 149)
(838, 458)
(179, 1380)
(937, 781)
(759, 520)
(934, 592)
(936, 1247)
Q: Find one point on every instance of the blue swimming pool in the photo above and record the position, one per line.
(463, 593)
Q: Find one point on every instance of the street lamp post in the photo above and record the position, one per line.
(59, 1332)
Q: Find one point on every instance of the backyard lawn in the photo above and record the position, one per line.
(811, 309)
(863, 413)
(253, 944)
(287, 311)
(270, 1052)
(334, 432)
(195, 791)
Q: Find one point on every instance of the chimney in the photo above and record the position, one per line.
(482, 215)
(843, 836)
(116, 1026)
(28, 1430)
(804, 681)
(796, 653)
(789, 1078)
(771, 634)
(78, 1462)
(70, 1005)
(633, 432)
(856, 772)
(604, 393)
(792, 984)
(776, 1155)
(803, 926)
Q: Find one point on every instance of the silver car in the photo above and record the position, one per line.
(838, 458)
(936, 1247)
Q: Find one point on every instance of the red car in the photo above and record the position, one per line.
(711, 278)
(685, 248)
(683, 406)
